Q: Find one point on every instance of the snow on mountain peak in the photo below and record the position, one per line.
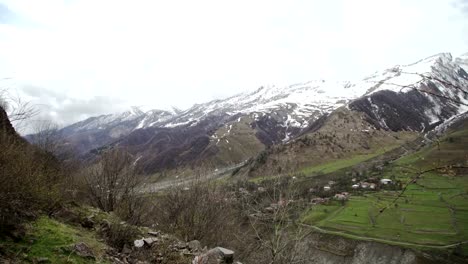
(299, 104)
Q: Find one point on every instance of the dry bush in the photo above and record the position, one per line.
(118, 234)
(31, 181)
(199, 210)
(112, 183)
(274, 235)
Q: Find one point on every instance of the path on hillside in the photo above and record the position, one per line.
(381, 240)
(217, 174)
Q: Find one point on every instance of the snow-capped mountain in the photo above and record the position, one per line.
(403, 97)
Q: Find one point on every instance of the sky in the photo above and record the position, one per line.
(79, 58)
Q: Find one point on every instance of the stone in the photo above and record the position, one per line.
(194, 245)
(82, 250)
(154, 233)
(43, 260)
(150, 240)
(126, 250)
(216, 255)
(139, 243)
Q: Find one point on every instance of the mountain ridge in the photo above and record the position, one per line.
(226, 131)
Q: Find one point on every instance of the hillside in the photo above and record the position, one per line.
(229, 131)
(428, 211)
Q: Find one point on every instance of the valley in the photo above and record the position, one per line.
(330, 171)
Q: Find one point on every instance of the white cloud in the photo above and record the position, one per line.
(163, 53)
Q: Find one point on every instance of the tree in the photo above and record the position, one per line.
(272, 219)
(112, 181)
(18, 109)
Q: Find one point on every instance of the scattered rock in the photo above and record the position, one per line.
(139, 243)
(150, 240)
(82, 250)
(154, 233)
(126, 250)
(181, 245)
(194, 245)
(216, 255)
(43, 260)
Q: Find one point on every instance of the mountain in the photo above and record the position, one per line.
(401, 100)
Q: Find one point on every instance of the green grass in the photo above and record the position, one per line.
(48, 238)
(432, 211)
(336, 165)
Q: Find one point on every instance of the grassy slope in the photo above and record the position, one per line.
(433, 211)
(48, 238)
(344, 140)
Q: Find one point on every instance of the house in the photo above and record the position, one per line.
(319, 200)
(326, 188)
(365, 185)
(385, 181)
(355, 186)
(342, 196)
(372, 186)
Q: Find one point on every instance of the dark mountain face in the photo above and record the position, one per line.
(5, 125)
(225, 132)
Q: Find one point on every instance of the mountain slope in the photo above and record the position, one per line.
(227, 131)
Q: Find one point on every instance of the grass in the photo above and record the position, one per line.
(336, 165)
(48, 238)
(433, 211)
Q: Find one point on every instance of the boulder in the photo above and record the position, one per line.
(194, 245)
(216, 255)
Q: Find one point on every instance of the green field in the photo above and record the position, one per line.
(339, 164)
(433, 211)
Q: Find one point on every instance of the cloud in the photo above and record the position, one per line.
(176, 53)
(6, 15)
(63, 109)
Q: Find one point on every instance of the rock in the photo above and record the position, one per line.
(216, 255)
(154, 233)
(139, 243)
(181, 245)
(126, 250)
(150, 240)
(82, 250)
(43, 260)
(194, 245)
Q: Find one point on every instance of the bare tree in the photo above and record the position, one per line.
(112, 181)
(198, 210)
(46, 136)
(17, 108)
(272, 220)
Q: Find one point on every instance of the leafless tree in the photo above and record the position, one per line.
(46, 136)
(272, 220)
(198, 209)
(112, 180)
(17, 108)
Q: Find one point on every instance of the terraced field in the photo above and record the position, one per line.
(432, 211)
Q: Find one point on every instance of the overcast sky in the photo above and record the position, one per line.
(80, 58)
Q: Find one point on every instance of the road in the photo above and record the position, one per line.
(381, 240)
(217, 174)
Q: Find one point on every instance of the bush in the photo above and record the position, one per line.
(118, 234)
(31, 181)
